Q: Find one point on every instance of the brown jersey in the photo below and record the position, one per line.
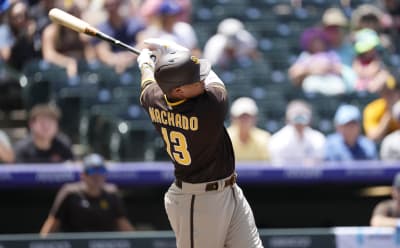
(193, 132)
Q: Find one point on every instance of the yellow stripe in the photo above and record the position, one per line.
(173, 104)
(141, 93)
(146, 80)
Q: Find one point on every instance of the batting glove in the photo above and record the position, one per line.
(144, 59)
(161, 46)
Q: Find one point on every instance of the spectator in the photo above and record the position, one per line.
(123, 28)
(335, 25)
(40, 13)
(318, 69)
(391, 20)
(370, 69)
(387, 213)
(65, 47)
(166, 25)
(6, 151)
(390, 149)
(377, 117)
(249, 142)
(297, 142)
(232, 43)
(17, 36)
(348, 143)
(91, 205)
(371, 17)
(44, 144)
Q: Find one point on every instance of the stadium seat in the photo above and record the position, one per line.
(131, 143)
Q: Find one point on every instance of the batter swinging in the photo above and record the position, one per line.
(187, 104)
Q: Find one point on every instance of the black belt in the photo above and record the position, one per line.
(212, 186)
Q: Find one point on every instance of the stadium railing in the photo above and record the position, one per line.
(339, 237)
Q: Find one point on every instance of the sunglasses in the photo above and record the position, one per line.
(96, 170)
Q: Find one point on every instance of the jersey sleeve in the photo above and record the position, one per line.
(212, 78)
(147, 93)
(58, 209)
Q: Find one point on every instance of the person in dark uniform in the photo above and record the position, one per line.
(387, 213)
(91, 205)
(187, 104)
(45, 144)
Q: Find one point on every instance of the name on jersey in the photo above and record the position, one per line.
(174, 119)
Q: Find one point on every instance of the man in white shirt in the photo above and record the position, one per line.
(297, 143)
(232, 42)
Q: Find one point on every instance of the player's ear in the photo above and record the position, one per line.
(178, 92)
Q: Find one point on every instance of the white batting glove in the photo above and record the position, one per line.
(161, 46)
(144, 58)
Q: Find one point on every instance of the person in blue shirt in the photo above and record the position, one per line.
(347, 143)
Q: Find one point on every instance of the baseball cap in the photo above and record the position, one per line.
(365, 40)
(347, 113)
(298, 112)
(94, 164)
(230, 27)
(396, 181)
(178, 68)
(244, 105)
(334, 17)
(169, 8)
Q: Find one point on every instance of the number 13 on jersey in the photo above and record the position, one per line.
(176, 146)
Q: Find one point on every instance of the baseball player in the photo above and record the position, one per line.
(187, 104)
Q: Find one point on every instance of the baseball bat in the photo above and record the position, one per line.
(67, 20)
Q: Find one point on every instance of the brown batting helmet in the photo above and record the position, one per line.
(178, 68)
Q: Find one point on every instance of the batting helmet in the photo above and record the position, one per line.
(178, 68)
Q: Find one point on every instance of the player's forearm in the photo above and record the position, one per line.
(379, 132)
(51, 225)
(124, 225)
(147, 75)
(383, 221)
(6, 154)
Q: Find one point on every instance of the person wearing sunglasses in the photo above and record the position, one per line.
(90, 205)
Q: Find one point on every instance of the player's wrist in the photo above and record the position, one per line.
(146, 67)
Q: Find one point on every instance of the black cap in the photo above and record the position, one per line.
(178, 68)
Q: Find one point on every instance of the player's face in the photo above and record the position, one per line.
(246, 121)
(189, 90)
(44, 127)
(95, 181)
(350, 131)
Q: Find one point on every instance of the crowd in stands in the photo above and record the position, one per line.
(324, 86)
(349, 50)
